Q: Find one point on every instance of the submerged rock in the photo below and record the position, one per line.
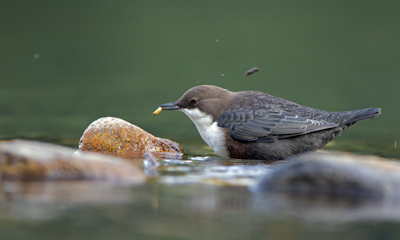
(335, 174)
(31, 160)
(117, 137)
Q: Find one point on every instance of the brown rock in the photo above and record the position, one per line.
(117, 137)
(31, 160)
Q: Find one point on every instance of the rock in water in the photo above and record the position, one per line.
(117, 137)
(30, 160)
(338, 174)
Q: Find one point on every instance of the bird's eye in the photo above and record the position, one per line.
(193, 102)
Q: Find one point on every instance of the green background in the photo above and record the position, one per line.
(63, 64)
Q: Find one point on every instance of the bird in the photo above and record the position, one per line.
(257, 125)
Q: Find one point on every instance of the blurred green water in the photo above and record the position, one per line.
(63, 64)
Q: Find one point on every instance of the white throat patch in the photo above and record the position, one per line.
(209, 131)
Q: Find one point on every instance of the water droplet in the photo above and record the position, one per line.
(216, 40)
(222, 75)
(36, 56)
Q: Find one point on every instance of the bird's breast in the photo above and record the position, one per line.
(213, 135)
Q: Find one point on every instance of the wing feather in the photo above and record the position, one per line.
(267, 124)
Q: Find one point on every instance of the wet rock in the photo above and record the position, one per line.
(31, 160)
(334, 175)
(117, 137)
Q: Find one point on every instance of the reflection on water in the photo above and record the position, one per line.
(212, 170)
(328, 209)
(198, 197)
(46, 200)
(183, 210)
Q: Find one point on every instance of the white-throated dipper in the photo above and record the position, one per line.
(256, 125)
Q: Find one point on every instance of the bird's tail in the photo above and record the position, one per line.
(350, 117)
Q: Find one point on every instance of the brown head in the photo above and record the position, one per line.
(209, 99)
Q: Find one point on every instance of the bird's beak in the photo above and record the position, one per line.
(169, 106)
(166, 106)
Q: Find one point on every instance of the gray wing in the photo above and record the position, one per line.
(267, 125)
